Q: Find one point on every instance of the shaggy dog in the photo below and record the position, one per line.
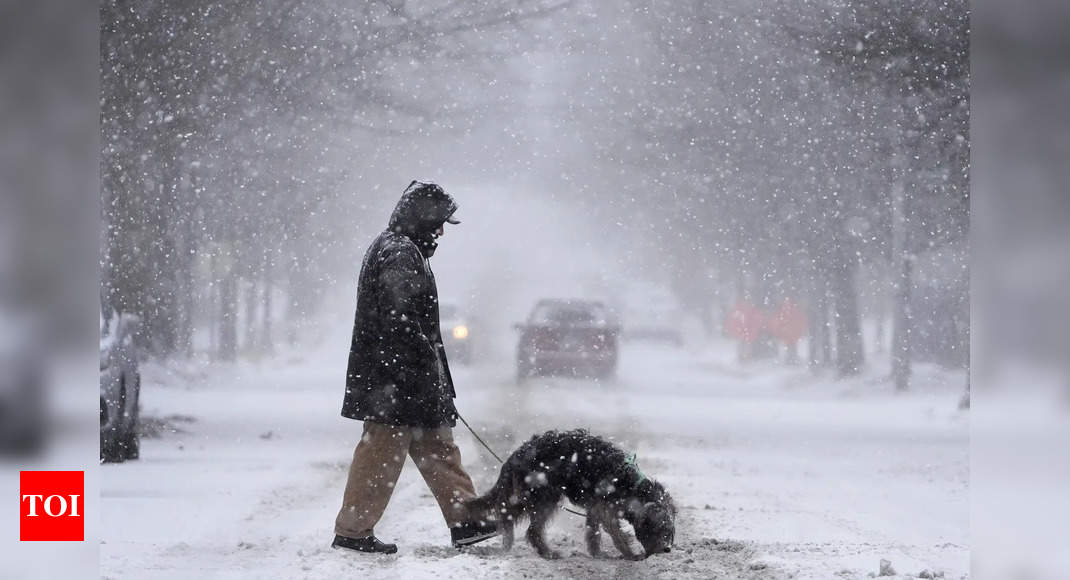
(591, 472)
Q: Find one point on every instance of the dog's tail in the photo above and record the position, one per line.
(496, 503)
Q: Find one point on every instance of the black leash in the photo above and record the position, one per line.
(487, 447)
(480, 439)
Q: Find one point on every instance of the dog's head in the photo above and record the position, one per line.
(655, 527)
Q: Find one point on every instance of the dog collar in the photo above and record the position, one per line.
(633, 463)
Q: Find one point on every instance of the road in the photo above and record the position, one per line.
(777, 473)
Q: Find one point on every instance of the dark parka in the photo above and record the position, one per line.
(398, 373)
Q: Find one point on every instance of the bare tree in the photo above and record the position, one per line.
(216, 122)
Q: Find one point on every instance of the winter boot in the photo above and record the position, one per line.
(365, 544)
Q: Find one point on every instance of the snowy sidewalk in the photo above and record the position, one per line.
(775, 473)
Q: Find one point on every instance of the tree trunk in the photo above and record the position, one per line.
(295, 291)
(850, 354)
(191, 323)
(160, 313)
(902, 271)
(184, 288)
(228, 319)
(964, 402)
(215, 300)
(266, 344)
(882, 312)
(251, 303)
(901, 267)
(820, 349)
(901, 325)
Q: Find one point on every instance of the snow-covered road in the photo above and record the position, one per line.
(776, 473)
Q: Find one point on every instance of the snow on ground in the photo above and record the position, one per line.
(776, 473)
(1019, 437)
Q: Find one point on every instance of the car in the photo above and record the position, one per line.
(568, 336)
(120, 387)
(456, 333)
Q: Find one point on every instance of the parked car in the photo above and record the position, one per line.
(120, 387)
(573, 337)
(457, 334)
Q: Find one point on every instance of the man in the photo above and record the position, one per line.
(399, 382)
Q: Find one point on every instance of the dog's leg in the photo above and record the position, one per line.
(506, 526)
(537, 530)
(511, 511)
(593, 532)
(619, 537)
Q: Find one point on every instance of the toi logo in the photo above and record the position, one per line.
(51, 506)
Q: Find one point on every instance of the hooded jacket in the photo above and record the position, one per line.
(398, 373)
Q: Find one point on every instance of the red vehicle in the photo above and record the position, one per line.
(568, 337)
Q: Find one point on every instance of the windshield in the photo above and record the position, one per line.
(570, 314)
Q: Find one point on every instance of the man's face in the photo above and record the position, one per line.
(441, 231)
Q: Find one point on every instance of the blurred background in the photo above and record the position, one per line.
(1021, 371)
(49, 266)
(805, 153)
(790, 181)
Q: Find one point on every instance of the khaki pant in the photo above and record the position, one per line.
(377, 463)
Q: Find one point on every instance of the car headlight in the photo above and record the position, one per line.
(460, 332)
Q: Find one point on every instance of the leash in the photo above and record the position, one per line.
(487, 447)
(480, 439)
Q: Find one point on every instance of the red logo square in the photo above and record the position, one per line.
(51, 506)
